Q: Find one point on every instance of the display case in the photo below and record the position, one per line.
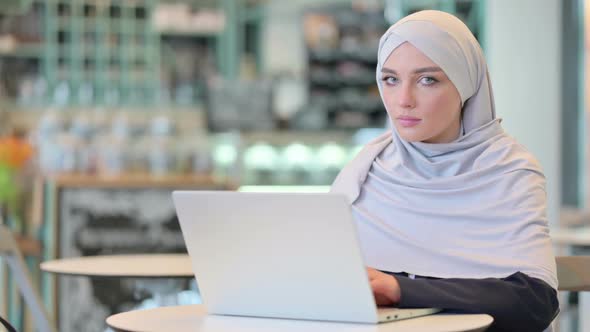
(96, 215)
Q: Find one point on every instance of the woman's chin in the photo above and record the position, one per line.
(411, 137)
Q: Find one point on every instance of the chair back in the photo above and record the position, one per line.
(573, 273)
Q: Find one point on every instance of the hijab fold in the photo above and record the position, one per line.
(472, 208)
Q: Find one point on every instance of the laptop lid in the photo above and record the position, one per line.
(283, 255)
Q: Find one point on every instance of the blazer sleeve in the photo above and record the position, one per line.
(517, 303)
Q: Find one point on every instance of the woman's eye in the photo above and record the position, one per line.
(428, 80)
(390, 80)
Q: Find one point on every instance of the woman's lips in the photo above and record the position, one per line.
(408, 121)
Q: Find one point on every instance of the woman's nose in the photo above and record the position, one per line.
(405, 97)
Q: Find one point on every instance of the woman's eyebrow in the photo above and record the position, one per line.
(427, 70)
(416, 71)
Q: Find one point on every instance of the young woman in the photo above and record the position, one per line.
(451, 211)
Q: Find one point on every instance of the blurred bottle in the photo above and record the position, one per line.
(61, 94)
(162, 159)
(83, 130)
(85, 94)
(40, 90)
(69, 147)
(45, 138)
(201, 154)
(112, 148)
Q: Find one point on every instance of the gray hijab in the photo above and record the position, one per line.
(472, 208)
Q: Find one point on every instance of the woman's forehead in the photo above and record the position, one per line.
(407, 56)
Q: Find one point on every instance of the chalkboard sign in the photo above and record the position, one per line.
(107, 221)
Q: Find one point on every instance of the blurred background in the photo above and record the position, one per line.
(108, 105)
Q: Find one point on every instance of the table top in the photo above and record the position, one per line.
(194, 318)
(135, 266)
(138, 180)
(571, 235)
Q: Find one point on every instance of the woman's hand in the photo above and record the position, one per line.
(385, 287)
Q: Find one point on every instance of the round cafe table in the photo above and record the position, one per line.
(194, 318)
(133, 266)
(156, 275)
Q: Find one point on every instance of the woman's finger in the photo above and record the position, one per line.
(372, 273)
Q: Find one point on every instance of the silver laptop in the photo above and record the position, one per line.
(281, 255)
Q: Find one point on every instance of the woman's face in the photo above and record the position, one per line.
(421, 101)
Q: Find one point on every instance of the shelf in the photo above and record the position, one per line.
(103, 41)
(341, 65)
(361, 104)
(23, 51)
(284, 137)
(104, 25)
(337, 81)
(135, 180)
(340, 55)
(94, 41)
(196, 34)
